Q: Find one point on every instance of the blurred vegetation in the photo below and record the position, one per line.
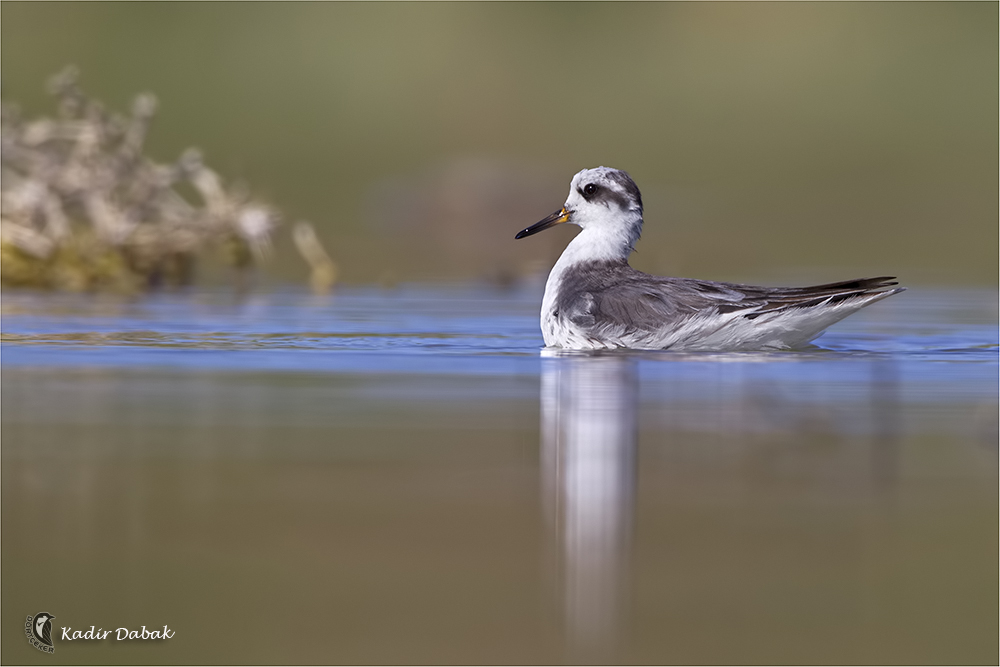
(83, 209)
(772, 141)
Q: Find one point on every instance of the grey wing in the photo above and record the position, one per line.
(641, 306)
(644, 303)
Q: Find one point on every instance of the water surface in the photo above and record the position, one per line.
(405, 476)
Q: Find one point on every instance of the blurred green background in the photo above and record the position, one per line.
(772, 142)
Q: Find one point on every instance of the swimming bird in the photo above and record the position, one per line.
(595, 300)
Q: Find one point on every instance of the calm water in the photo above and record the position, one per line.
(405, 476)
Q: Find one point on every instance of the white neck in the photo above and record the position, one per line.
(608, 240)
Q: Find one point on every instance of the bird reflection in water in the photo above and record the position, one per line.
(589, 437)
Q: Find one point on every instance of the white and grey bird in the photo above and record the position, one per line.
(595, 300)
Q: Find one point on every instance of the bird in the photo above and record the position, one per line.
(594, 300)
(42, 627)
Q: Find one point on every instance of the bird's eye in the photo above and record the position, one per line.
(589, 189)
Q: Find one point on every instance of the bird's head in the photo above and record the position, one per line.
(603, 199)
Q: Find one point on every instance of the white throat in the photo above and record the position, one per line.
(604, 239)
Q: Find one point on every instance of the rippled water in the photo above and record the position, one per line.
(405, 476)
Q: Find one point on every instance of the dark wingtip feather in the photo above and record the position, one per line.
(804, 297)
(858, 284)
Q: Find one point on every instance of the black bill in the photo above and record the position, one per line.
(557, 218)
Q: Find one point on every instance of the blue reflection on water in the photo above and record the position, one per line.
(938, 346)
(924, 349)
(282, 329)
